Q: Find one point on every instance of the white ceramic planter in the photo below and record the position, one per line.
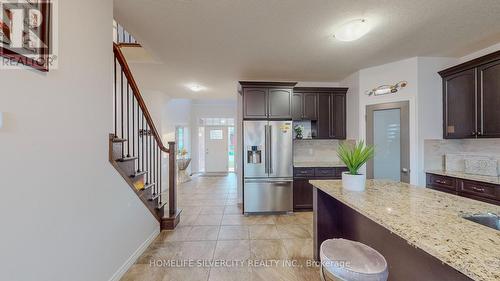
(353, 182)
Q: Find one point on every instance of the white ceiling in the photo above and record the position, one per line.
(217, 42)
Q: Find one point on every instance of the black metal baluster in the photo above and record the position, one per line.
(154, 165)
(146, 137)
(128, 119)
(157, 169)
(149, 158)
(159, 185)
(121, 111)
(138, 138)
(133, 127)
(143, 136)
(116, 103)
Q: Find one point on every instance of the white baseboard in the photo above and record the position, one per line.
(131, 260)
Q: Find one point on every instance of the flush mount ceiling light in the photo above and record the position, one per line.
(352, 30)
(386, 89)
(195, 87)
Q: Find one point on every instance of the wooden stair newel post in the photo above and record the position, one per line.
(172, 218)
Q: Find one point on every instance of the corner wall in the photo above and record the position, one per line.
(66, 213)
(423, 93)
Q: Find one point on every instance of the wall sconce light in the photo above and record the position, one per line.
(386, 89)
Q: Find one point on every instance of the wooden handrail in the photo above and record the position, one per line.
(137, 93)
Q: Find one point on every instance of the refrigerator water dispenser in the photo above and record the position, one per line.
(254, 154)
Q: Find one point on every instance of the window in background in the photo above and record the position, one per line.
(216, 122)
(231, 144)
(216, 134)
(180, 135)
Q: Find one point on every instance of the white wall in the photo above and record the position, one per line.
(156, 102)
(423, 93)
(352, 105)
(430, 104)
(387, 74)
(176, 112)
(66, 213)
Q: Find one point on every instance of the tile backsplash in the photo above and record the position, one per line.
(306, 129)
(475, 156)
(316, 150)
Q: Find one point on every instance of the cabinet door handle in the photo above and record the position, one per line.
(440, 181)
(478, 189)
(479, 133)
(473, 134)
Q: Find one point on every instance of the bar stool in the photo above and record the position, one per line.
(346, 260)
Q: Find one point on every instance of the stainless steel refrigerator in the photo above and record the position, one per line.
(268, 167)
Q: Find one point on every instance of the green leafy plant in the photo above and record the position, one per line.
(354, 156)
(298, 131)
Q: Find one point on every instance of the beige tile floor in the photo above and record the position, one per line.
(212, 229)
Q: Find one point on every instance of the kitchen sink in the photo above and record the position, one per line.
(488, 219)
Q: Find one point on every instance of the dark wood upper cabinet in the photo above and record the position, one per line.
(324, 116)
(489, 99)
(326, 108)
(310, 106)
(471, 98)
(338, 116)
(459, 105)
(267, 100)
(255, 102)
(280, 104)
(304, 106)
(297, 106)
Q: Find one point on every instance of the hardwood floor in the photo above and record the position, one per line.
(212, 229)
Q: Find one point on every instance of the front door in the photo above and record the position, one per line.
(216, 145)
(387, 128)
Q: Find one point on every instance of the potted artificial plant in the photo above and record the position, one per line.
(298, 131)
(354, 157)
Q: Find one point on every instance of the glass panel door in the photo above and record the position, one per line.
(387, 141)
(388, 129)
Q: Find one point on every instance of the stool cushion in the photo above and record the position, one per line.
(352, 261)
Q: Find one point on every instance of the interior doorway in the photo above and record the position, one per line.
(387, 128)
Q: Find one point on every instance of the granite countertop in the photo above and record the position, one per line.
(430, 220)
(462, 175)
(319, 164)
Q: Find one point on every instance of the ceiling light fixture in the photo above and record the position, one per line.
(386, 89)
(195, 87)
(352, 30)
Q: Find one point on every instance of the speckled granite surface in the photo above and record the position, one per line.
(430, 220)
(319, 164)
(462, 175)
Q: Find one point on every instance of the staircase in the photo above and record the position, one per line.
(135, 146)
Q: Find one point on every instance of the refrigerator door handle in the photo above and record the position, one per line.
(266, 168)
(270, 127)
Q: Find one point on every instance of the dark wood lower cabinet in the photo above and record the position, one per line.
(303, 190)
(302, 195)
(486, 192)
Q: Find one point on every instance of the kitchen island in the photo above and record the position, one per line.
(419, 231)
